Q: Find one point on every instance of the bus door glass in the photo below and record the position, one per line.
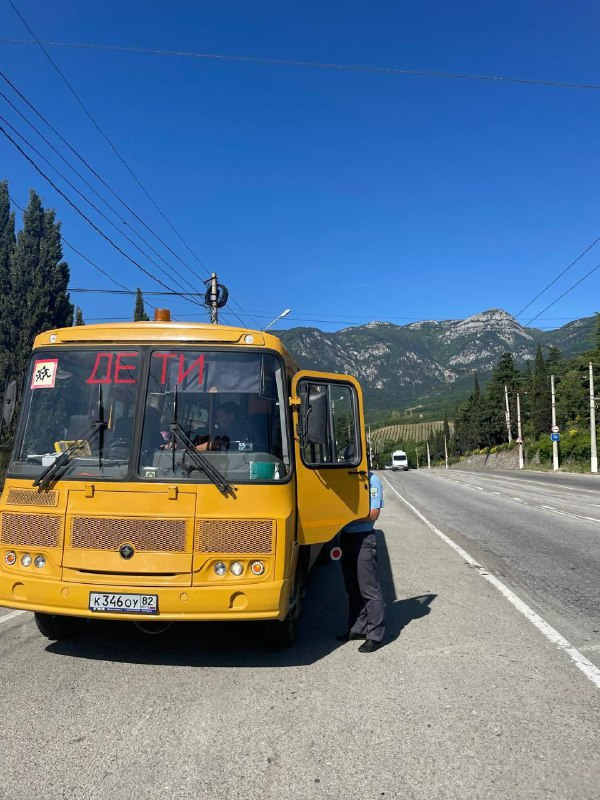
(330, 449)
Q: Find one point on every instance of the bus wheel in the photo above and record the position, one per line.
(56, 626)
(283, 634)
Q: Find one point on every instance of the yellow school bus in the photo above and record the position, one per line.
(166, 471)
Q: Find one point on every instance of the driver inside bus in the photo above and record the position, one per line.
(229, 427)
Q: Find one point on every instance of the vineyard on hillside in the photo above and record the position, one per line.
(414, 432)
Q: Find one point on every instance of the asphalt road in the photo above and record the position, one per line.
(539, 532)
(467, 700)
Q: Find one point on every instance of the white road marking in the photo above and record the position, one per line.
(589, 670)
(569, 514)
(520, 499)
(12, 614)
(547, 484)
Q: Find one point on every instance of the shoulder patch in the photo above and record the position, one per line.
(374, 491)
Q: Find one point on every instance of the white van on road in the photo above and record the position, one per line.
(399, 460)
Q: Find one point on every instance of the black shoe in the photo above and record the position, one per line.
(348, 636)
(369, 646)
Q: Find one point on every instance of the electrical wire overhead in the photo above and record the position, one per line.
(96, 209)
(570, 289)
(122, 288)
(114, 149)
(552, 282)
(286, 62)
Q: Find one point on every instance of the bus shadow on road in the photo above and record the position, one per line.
(245, 644)
(222, 644)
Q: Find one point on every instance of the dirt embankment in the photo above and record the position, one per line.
(505, 459)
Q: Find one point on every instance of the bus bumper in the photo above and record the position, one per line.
(239, 601)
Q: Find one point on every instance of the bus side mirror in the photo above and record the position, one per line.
(10, 402)
(313, 417)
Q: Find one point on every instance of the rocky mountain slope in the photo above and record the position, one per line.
(399, 365)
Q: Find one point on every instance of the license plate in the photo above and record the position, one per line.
(124, 603)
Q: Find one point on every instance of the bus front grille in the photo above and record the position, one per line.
(30, 530)
(234, 535)
(31, 497)
(151, 535)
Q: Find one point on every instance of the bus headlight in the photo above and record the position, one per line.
(220, 568)
(257, 567)
(26, 560)
(10, 558)
(40, 562)
(236, 568)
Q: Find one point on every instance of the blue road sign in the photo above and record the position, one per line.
(555, 437)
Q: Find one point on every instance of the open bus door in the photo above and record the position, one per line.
(330, 454)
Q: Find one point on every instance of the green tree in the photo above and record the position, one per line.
(7, 247)
(493, 412)
(139, 313)
(78, 317)
(36, 297)
(541, 406)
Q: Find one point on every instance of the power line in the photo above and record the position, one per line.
(87, 165)
(111, 144)
(286, 62)
(552, 282)
(80, 212)
(570, 289)
(82, 178)
(95, 207)
(123, 289)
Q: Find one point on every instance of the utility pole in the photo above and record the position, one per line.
(554, 443)
(417, 452)
(214, 296)
(428, 457)
(507, 413)
(520, 437)
(446, 451)
(594, 448)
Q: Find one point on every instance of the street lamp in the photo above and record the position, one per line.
(281, 316)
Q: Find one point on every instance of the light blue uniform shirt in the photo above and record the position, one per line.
(376, 497)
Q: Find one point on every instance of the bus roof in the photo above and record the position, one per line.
(157, 332)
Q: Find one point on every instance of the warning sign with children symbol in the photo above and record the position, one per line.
(44, 373)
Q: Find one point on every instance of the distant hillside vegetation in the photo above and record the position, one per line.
(413, 432)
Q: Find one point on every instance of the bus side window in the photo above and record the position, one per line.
(341, 445)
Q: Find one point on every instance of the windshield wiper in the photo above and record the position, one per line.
(203, 463)
(45, 478)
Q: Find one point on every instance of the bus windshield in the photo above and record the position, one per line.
(227, 406)
(67, 391)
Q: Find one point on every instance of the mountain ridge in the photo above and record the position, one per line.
(399, 365)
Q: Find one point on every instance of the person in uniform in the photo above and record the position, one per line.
(359, 566)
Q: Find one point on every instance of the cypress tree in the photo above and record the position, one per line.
(541, 410)
(7, 247)
(493, 414)
(37, 297)
(139, 313)
(78, 317)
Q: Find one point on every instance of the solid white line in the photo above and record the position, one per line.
(569, 514)
(12, 614)
(547, 484)
(589, 670)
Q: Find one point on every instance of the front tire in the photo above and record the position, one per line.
(56, 626)
(283, 634)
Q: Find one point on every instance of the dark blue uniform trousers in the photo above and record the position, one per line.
(359, 566)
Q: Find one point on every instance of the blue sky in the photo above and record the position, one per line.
(348, 196)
